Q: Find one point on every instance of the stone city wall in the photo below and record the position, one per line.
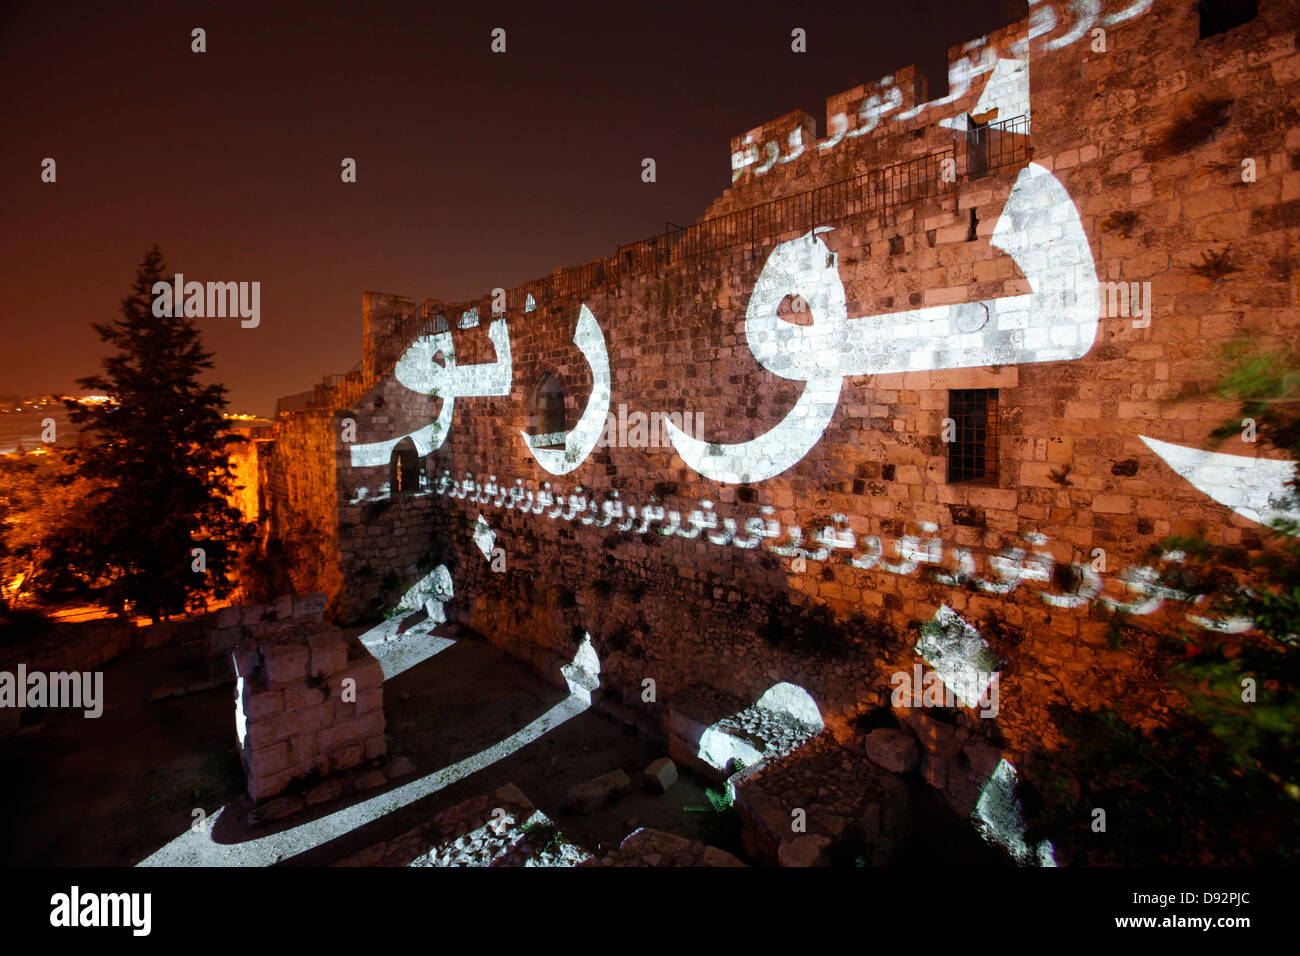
(810, 531)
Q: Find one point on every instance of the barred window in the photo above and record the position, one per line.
(973, 444)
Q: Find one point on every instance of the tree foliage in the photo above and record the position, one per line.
(159, 458)
(43, 505)
(1221, 783)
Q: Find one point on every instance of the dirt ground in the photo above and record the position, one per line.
(111, 791)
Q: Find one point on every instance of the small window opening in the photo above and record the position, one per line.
(973, 448)
(547, 420)
(404, 468)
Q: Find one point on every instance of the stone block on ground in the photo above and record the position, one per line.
(711, 731)
(660, 775)
(805, 850)
(310, 607)
(591, 795)
(400, 766)
(895, 750)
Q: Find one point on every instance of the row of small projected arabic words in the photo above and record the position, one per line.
(838, 543)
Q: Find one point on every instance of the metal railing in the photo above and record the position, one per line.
(976, 153)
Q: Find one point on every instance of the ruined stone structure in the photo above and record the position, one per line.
(308, 700)
(933, 352)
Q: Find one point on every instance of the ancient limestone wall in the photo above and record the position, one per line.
(809, 531)
(297, 484)
(309, 701)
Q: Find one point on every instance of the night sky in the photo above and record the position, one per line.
(475, 169)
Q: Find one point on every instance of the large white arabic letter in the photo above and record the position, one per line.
(580, 442)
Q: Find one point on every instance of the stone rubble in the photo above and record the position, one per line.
(647, 847)
(591, 795)
(503, 829)
(894, 750)
(843, 796)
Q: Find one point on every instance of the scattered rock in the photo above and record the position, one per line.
(894, 750)
(371, 780)
(512, 795)
(278, 809)
(399, 767)
(593, 794)
(660, 775)
(323, 792)
(806, 850)
(647, 847)
(715, 857)
(860, 809)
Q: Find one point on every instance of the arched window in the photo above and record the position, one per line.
(404, 469)
(546, 420)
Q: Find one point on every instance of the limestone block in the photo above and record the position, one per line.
(263, 704)
(660, 775)
(593, 794)
(806, 850)
(329, 653)
(893, 750)
(251, 614)
(283, 607)
(285, 663)
(310, 606)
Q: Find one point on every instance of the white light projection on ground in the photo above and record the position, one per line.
(505, 841)
(1000, 820)
(199, 849)
(782, 719)
(964, 662)
(1056, 321)
(580, 442)
(398, 646)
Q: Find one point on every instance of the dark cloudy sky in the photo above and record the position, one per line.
(475, 169)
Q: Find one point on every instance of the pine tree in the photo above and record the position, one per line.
(160, 450)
